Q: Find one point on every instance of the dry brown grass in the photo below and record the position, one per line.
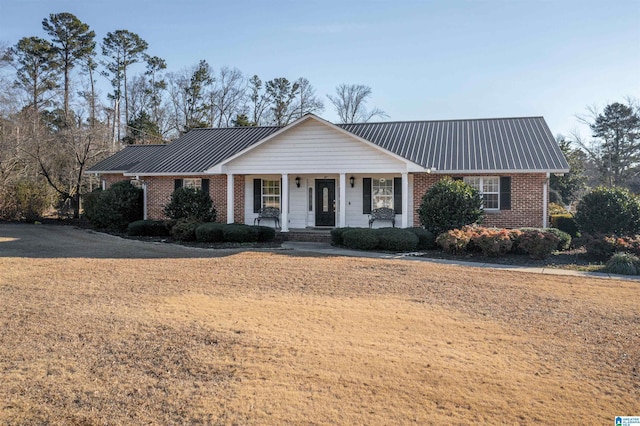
(270, 338)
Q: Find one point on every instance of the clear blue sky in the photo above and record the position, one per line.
(423, 59)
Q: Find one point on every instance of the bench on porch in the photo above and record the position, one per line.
(382, 213)
(268, 213)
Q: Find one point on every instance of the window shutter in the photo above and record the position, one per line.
(366, 195)
(177, 183)
(257, 195)
(505, 193)
(397, 195)
(205, 186)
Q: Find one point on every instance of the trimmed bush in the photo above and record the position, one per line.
(336, 235)
(185, 230)
(239, 233)
(493, 242)
(566, 223)
(396, 239)
(556, 209)
(210, 232)
(450, 204)
(613, 211)
(564, 239)
(454, 241)
(623, 264)
(598, 246)
(426, 239)
(148, 228)
(265, 234)
(193, 204)
(360, 239)
(115, 208)
(537, 244)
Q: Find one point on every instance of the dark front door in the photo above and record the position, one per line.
(325, 202)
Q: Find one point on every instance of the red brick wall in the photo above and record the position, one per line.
(526, 200)
(110, 179)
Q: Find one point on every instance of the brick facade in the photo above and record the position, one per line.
(526, 200)
(526, 197)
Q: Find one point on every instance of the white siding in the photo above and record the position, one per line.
(313, 147)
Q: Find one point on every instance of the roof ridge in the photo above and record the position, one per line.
(236, 127)
(441, 121)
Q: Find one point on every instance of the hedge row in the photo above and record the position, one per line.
(387, 239)
(210, 232)
(537, 243)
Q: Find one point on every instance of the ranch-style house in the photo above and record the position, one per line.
(320, 174)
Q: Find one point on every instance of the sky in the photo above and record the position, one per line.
(424, 60)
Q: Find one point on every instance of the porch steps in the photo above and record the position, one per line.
(314, 235)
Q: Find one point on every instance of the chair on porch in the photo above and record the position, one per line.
(268, 213)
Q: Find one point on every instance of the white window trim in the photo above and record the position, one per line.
(481, 190)
(263, 195)
(391, 197)
(192, 183)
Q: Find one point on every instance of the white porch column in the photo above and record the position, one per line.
(230, 198)
(405, 200)
(342, 207)
(144, 200)
(545, 201)
(284, 204)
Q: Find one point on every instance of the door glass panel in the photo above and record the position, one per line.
(325, 199)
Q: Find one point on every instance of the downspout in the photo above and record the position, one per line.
(545, 201)
(144, 200)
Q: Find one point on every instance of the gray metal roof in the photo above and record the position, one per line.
(500, 144)
(201, 149)
(126, 158)
(479, 145)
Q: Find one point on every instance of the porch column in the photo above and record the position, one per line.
(284, 204)
(405, 200)
(144, 201)
(230, 200)
(545, 201)
(342, 207)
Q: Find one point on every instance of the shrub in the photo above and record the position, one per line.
(609, 211)
(31, 199)
(450, 204)
(537, 244)
(555, 209)
(210, 232)
(336, 235)
(188, 203)
(395, 239)
(493, 242)
(360, 239)
(239, 233)
(597, 246)
(185, 230)
(265, 233)
(565, 222)
(116, 207)
(148, 228)
(426, 239)
(623, 264)
(454, 241)
(564, 239)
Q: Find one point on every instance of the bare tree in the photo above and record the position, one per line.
(259, 101)
(350, 102)
(227, 97)
(307, 102)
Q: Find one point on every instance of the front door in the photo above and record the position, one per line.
(325, 202)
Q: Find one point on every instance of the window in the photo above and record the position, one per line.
(192, 183)
(489, 187)
(271, 193)
(382, 193)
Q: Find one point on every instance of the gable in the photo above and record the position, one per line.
(314, 147)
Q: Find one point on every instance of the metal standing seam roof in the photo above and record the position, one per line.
(126, 158)
(478, 145)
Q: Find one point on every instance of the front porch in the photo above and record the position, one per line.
(316, 201)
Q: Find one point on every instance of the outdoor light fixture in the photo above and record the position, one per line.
(298, 181)
(352, 181)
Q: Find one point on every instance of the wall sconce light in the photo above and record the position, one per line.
(298, 181)
(352, 181)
